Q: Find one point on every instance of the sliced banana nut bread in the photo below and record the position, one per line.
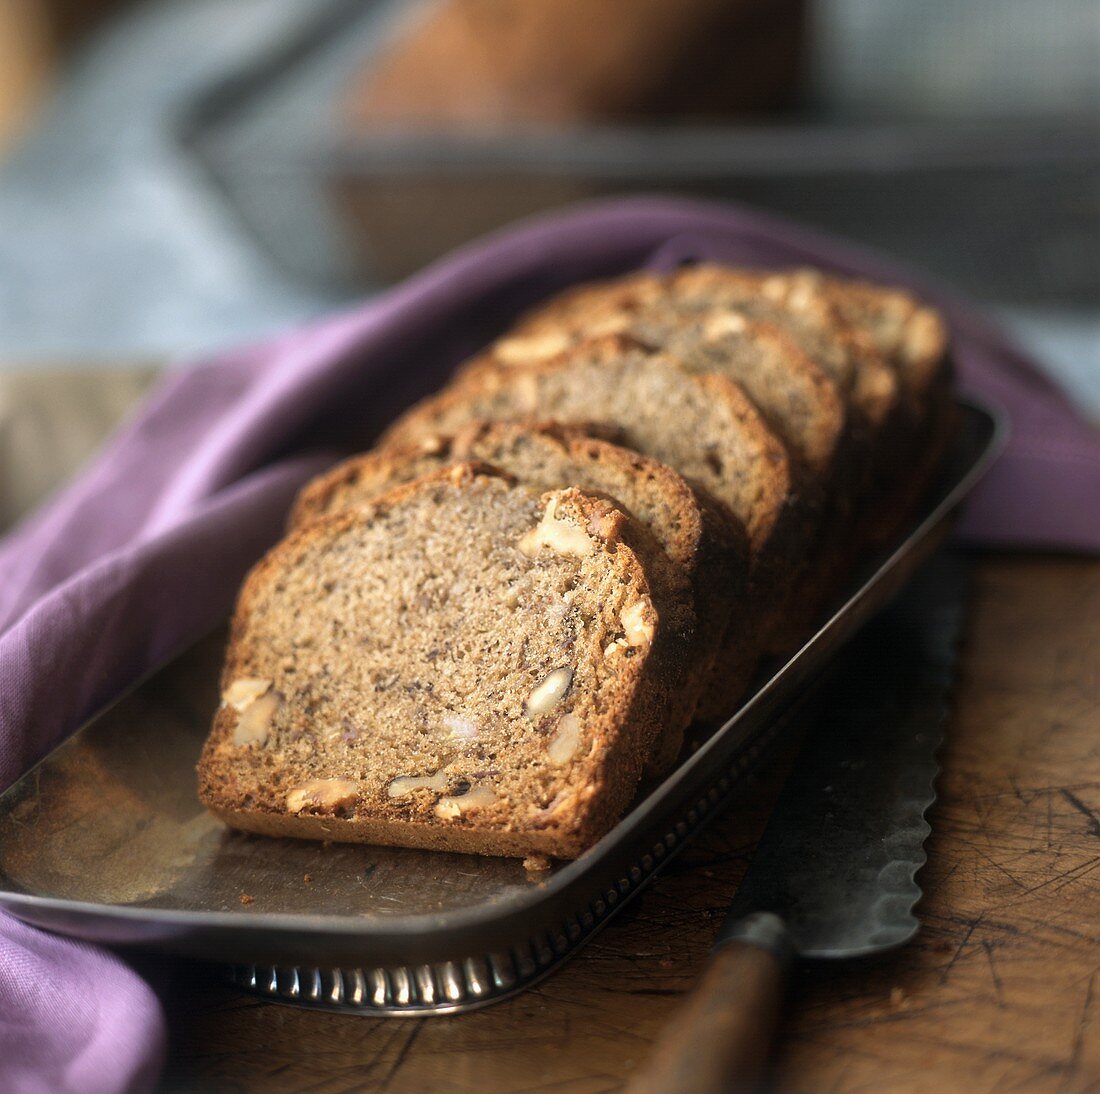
(460, 665)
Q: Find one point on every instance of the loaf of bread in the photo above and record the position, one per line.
(482, 634)
(483, 65)
(461, 664)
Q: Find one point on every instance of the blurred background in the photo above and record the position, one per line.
(180, 175)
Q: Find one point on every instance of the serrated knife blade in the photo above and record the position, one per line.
(838, 859)
(834, 875)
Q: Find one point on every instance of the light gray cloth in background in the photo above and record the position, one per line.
(111, 242)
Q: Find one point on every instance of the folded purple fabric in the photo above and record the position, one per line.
(144, 551)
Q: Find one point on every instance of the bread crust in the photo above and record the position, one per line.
(620, 718)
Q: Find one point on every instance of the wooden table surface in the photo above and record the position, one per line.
(1000, 991)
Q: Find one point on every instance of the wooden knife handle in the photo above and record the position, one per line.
(720, 1039)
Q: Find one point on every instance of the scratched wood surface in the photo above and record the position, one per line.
(999, 992)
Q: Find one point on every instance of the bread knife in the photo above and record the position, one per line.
(834, 875)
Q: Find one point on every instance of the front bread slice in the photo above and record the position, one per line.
(461, 665)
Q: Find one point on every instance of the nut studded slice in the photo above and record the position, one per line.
(812, 321)
(694, 557)
(799, 401)
(460, 665)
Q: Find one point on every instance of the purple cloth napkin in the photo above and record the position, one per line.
(144, 551)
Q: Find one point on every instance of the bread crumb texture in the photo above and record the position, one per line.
(432, 669)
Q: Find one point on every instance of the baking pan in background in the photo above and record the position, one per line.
(1008, 213)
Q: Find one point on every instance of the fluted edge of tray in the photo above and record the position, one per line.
(466, 983)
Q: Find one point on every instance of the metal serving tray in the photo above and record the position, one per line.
(105, 839)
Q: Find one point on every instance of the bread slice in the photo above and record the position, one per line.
(811, 319)
(694, 558)
(799, 401)
(460, 665)
(807, 317)
(780, 337)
